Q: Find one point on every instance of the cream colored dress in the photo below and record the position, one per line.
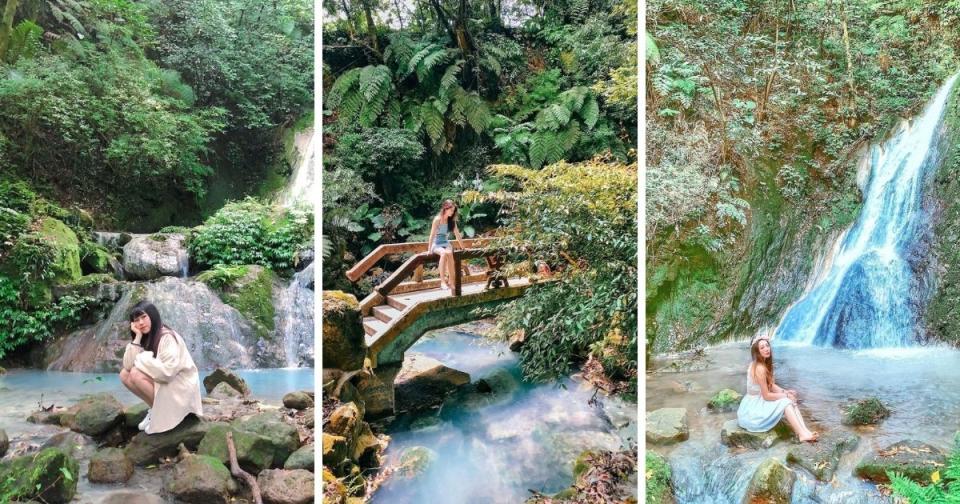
(176, 381)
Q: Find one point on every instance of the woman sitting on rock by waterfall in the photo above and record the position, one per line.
(443, 223)
(765, 403)
(157, 368)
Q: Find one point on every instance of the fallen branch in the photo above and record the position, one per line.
(240, 473)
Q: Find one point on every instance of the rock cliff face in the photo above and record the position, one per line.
(146, 257)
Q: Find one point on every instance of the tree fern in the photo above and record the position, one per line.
(477, 113)
(553, 117)
(24, 41)
(431, 61)
(590, 112)
(343, 84)
(432, 122)
(450, 79)
(375, 81)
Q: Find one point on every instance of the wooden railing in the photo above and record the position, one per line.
(361, 268)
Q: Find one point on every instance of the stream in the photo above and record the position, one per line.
(496, 450)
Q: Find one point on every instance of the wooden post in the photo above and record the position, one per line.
(457, 275)
(418, 274)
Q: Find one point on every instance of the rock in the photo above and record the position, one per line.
(724, 401)
(97, 259)
(335, 451)
(66, 263)
(667, 426)
(283, 436)
(254, 452)
(297, 400)
(914, 459)
(223, 390)
(366, 447)
(93, 415)
(343, 335)
(226, 376)
(415, 460)
(376, 391)
(4, 443)
(345, 421)
(424, 383)
(46, 417)
(301, 459)
(146, 257)
(308, 417)
(865, 412)
(821, 458)
(201, 479)
(148, 448)
(517, 339)
(334, 491)
(110, 465)
(772, 483)
(134, 414)
(216, 334)
(286, 486)
(735, 436)
(112, 241)
(76, 445)
(41, 476)
(131, 497)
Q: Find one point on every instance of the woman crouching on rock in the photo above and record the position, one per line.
(765, 402)
(157, 368)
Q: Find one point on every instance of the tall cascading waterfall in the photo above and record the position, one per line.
(868, 297)
(301, 186)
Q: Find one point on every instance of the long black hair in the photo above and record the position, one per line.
(151, 340)
(452, 220)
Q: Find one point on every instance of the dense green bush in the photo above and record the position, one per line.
(20, 325)
(250, 232)
(943, 487)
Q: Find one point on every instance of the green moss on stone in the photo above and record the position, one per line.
(865, 412)
(725, 400)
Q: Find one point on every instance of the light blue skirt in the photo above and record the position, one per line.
(757, 415)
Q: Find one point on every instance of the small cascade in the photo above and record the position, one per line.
(870, 294)
(301, 185)
(294, 318)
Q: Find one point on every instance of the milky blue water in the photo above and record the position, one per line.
(870, 295)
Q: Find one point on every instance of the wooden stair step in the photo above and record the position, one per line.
(395, 302)
(373, 325)
(386, 313)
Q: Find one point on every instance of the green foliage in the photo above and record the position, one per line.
(944, 487)
(20, 325)
(249, 232)
(657, 481)
(221, 276)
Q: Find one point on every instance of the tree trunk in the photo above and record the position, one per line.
(371, 27)
(396, 3)
(351, 29)
(846, 47)
(6, 27)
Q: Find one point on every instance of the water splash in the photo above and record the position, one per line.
(870, 294)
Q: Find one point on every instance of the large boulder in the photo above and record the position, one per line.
(111, 240)
(345, 421)
(424, 382)
(865, 412)
(772, 483)
(376, 391)
(735, 436)
(221, 375)
(216, 334)
(65, 268)
(299, 400)
(336, 451)
(78, 446)
(913, 459)
(301, 459)
(283, 437)
(223, 390)
(146, 448)
(667, 426)
(823, 457)
(334, 491)
(343, 335)
(97, 259)
(146, 257)
(134, 414)
(201, 479)
(41, 476)
(93, 415)
(254, 452)
(110, 465)
(286, 486)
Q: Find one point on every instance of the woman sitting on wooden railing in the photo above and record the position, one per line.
(443, 223)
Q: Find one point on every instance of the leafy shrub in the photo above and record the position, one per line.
(943, 487)
(19, 325)
(221, 276)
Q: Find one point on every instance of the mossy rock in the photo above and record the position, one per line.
(658, 474)
(93, 415)
(822, 458)
(865, 412)
(735, 436)
(335, 452)
(913, 459)
(725, 400)
(201, 479)
(415, 460)
(301, 459)
(772, 483)
(63, 247)
(49, 475)
(254, 452)
(95, 258)
(284, 437)
(667, 426)
(252, 295)
(344, 346)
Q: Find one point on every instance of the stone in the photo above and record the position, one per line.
(131, 497)
(201, 479)
(4, 443)
(822, 458)
(913, 459)
(66, 265)
(284, 437)
(41, 476)
(376, 391)
(865, 412)
(517, 339)
(735, 436)
(134, 414)
(415, 460)
(93, 415)
(254, 452)
(286, 486)
(335, 451)
(229, 377)
(343, 336)
(345, 421)
(725, 401)
(297, 400)
(772, 483)
(146, 257)
(308, 418)
(424, 383)
(223, 390)
(146, 448)
(46, 417)
(110, 465)
(667, 426)
(301, 459)
(366, 447)
(78, 446)
(334, 491)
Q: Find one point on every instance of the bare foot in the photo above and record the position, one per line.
(812, 438)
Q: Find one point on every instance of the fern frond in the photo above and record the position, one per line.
(375, 81)
(449, 78)
(418, 57)
(431, 61)
(590, 112)
(342, 86)
(553, 117)
(432, 122)
(570, 136)
(477, 113)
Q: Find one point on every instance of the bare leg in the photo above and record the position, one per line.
(126, 378)
(792, 413)
(442, 268)
(451, 269)
(144, 384)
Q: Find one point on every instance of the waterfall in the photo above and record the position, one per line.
(301, 185)
(868, 296)
(294, 318)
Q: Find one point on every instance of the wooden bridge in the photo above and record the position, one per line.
(405, 306)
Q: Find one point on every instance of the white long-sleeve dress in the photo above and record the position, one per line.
(176, 380)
